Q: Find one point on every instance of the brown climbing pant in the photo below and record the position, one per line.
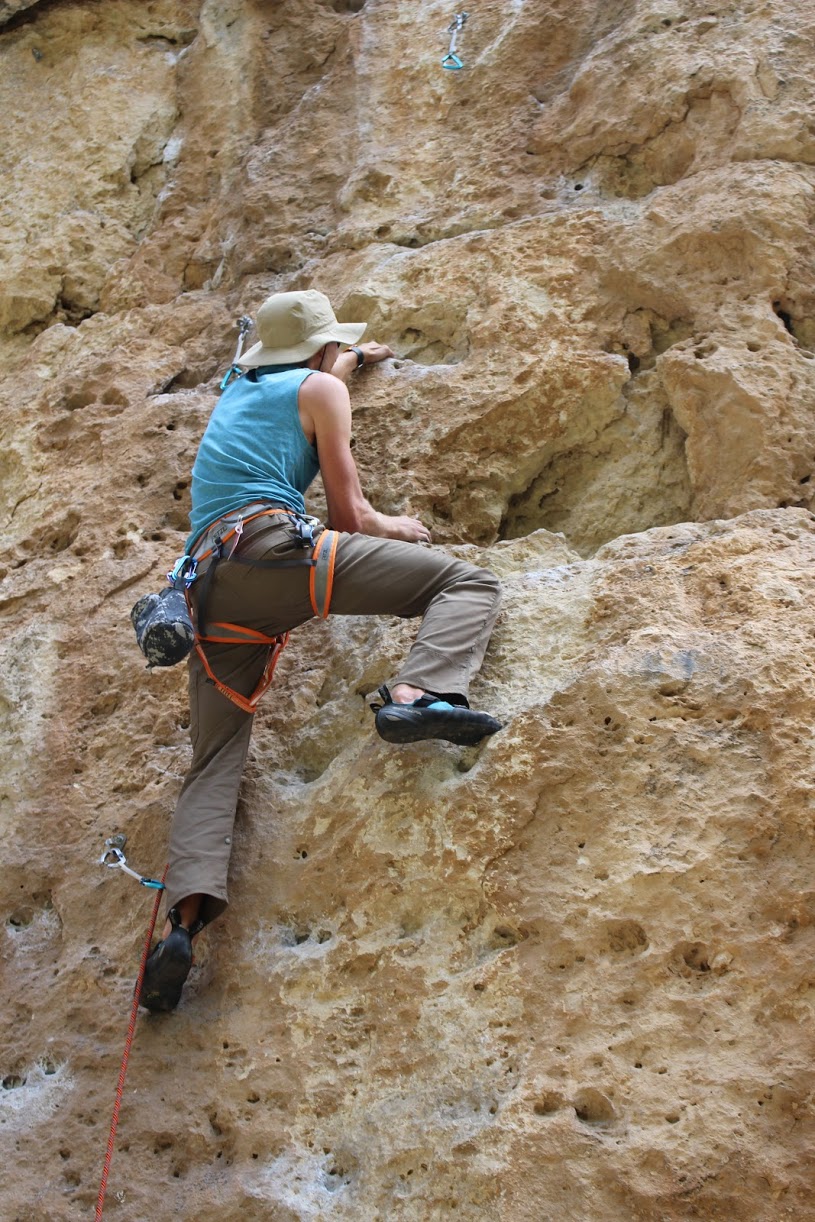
(458, 602)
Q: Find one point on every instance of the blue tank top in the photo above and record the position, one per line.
(254, 448)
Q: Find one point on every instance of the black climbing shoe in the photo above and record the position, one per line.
(168, 966)
(430, 717)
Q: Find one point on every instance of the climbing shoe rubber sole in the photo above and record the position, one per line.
(409, 723)
(168, 966)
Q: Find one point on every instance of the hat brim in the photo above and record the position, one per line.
(340, 333)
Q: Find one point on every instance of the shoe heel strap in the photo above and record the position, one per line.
(386, 699)
(174, 917)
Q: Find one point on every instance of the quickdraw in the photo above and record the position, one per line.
(114, 858)
(234, 370)
(451, 61)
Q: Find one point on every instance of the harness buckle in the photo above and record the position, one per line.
(304, 531)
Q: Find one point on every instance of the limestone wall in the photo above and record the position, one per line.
(568, 975)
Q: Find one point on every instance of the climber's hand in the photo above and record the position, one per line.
(410, 530)
(374, 352)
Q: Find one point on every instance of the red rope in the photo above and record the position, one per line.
(131, 1029)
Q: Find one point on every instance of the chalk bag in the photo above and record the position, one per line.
(163, 627)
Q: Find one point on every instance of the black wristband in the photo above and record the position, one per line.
(360, 355)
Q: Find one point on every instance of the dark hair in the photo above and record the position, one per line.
(261, 369)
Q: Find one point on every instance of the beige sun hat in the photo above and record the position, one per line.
(293, 326)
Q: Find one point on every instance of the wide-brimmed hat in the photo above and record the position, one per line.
(293, 326)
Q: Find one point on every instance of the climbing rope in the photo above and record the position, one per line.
(244, 326)
(451, 60)
(115, 845)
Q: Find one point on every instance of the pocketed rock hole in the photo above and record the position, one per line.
(592, 1107)
(691, 958)
(293, 936)
(626, 937)
(797, 324)
(504, 937)
(548, 1104)
(344, 6)
(697, 958)
(569, 493)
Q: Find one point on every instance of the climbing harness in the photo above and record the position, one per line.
(220, 533)
(114, 858)
(234, 370)
(115, 845)
(451, 60)
(164, 623)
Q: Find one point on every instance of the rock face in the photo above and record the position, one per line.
(568, 975)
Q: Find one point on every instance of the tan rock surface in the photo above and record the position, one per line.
(568, 975)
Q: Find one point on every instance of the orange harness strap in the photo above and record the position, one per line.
(321, 577)
(247, 703)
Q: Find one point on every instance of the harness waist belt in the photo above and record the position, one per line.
(233, 523)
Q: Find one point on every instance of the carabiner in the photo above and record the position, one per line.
(184, 569)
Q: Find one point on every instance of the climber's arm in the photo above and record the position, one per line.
(347, 362)
(325, 411)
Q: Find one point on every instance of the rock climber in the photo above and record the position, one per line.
(272, 430)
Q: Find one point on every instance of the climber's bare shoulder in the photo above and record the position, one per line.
(325, 408)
